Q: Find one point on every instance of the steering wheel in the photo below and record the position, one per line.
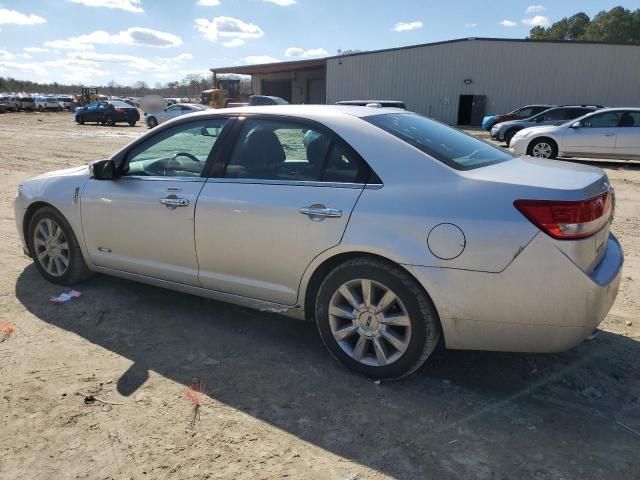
(180, 154)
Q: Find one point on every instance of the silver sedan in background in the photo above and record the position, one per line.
(176, 110)
(390, 230)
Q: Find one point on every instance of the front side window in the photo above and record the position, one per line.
(602, 120)
(446, 144)
(178, 152)
(278, 150)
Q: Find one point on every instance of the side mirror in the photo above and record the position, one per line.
(576, 125)
(103, 170)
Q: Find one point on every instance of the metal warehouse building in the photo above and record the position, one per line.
(458, 81)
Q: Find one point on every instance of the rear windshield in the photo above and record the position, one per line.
(119, 104)
(444, 143)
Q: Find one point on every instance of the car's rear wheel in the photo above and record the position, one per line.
(55, 249)
(375, 319)
(109, 121)
(509, 136)
(152, 122)
(543, 148)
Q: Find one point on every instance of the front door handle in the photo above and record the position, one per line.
(174, 202)
(610, 135)
(314, 211)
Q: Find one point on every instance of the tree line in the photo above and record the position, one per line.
(190, 86)
(618, 25)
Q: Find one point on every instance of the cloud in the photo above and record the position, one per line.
(35, 49)
(537, 21)
(4, 55)
(470, 25)
(302, 53)
(158, 64)
(229, 29)
(139, 36)
(508, 23)
(209, 3)
(67, 69)
(535, 9)
(406, 26)
(127, 5)
(17, 18)
(256, 59)
(282, 3)
(235, 42)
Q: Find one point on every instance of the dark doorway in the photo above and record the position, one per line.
(276, 88)
(465, 105)
(471, 109)
(316, 89)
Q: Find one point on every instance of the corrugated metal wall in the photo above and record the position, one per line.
(430, 79)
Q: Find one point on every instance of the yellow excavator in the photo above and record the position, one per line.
(88, 95)
(225, 91)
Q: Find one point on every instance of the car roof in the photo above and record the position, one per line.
(311, 111)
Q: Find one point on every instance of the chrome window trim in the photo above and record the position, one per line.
(292, 183)
(158, 179)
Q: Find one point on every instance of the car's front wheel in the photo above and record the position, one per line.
(109, 121)
(132, 124)
(55, 249)
(80, 120)
(543, 148)
(152, 122)
(376, 319)
(509, 136)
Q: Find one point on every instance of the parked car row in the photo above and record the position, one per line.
(30, 103)
(569, 130)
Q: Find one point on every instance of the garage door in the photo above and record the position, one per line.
(277, 88)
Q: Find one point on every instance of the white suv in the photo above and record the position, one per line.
(607, 133)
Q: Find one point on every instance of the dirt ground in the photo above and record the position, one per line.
(275, 404)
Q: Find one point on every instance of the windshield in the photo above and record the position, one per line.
(119, 104)
(446, 144)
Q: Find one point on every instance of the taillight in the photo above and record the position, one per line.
(568, 220)
(120, 110)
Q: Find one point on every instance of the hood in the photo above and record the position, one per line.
(67, 172)
(538, 129)
(512, 122)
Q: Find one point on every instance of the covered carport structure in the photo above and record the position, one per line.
(301, 81)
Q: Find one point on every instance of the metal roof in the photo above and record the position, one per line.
(321, 62)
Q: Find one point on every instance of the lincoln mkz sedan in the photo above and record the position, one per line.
(389, 229)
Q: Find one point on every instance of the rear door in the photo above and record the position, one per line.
(628, 135)
(595, 137)
(283, 197)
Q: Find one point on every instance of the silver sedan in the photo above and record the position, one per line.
(390, 230)
(153, 119)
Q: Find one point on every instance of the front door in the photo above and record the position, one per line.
(595, 136)
(285, 197)
(143, 222)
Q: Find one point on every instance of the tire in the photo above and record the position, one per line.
(76, 269)
(418, 335)
(109, 121)
(81, 120)
(132, 124)
(509, 136)
(152, 122)
(543, 148)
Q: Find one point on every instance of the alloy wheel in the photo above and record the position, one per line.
(542, 150)
(51, 247)
(369, 322)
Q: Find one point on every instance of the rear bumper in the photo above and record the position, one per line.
(542, 302)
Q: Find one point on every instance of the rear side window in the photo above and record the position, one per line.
(343, 167)
(446, 144)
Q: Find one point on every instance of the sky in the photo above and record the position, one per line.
(96, 41)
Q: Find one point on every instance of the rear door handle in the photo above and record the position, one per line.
(610, 135)
(321, 212)
(173, 202)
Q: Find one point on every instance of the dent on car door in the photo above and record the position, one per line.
(142, 222)
(284, 197)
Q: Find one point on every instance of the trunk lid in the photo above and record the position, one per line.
(526, 178)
